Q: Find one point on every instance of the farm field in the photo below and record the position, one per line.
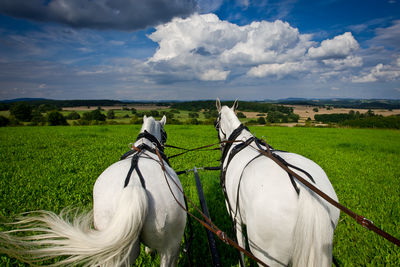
(50, 168)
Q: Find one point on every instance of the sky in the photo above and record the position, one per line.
(199, 49)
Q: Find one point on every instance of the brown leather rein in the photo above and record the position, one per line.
(366, 223)
(207, 223)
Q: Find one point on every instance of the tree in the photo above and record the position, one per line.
(73, 116)
(56, 118)
(136, 120)
(94, 115)
(241, 115)
(4, 121)
(43, 108)
(21, 111)
(110, 114)
(37, 118)
(193, 115)
(261, 120)
(98, 116)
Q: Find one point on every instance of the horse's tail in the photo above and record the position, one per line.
(76, 241)
(313, 232)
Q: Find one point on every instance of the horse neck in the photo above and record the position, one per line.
(152, 128)
(232, 123)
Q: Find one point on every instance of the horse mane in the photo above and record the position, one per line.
(231, 118)
(152, 126)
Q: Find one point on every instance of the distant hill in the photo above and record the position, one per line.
(344, 103)
(75, 103)
(22, 99)
(209, 104)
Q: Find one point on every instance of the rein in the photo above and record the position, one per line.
(207, 223)
(366, 223)
(363, 221)
(137, 151)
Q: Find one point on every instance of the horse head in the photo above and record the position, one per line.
(227, 120)
(155, 128)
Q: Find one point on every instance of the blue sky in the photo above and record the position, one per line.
(199, 49)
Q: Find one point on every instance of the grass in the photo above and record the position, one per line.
(54, 167)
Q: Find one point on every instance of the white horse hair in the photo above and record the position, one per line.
(121, 217)
(282, 227)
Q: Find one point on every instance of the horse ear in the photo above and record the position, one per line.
(163, 120)
(144, 117)
(235, 105)
(218, 104)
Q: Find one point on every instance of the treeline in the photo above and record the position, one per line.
(345, 103)
(341, 117)
(74, 103)
(243, 106)
(360, 120)
(389, 122)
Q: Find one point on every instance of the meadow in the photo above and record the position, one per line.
(50, 168)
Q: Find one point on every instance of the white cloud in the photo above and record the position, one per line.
(379, 73)
(202, 43)
(205, 48)
(278, 70)
(340, 46)
(338, 64)
(214, 75)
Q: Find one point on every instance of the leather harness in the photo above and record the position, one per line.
(139, 150)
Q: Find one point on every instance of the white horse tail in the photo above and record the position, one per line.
(313, 232)
(76, 241)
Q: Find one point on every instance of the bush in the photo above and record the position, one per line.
(37, 118)
(169, 115)
(261, 120)
(94, 115)
(193, 115)
(153, 113)
(241, 115)
(4, 121)
(21, 111)
(133, 110)
(210, 114)
(73, 116)
(390, 122)
(56, 118)
(110, 114)
(43, 108)
(193, 121)
(136, 120)
(292, 117)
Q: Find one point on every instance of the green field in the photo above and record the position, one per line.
(51, 168)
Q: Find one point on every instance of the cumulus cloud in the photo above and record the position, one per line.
(100, 14)
(339, 64)
(205, 48)
(278, 70)
(339, 47)
(210, 49)
(380, 72)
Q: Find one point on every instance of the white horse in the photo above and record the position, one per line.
(283, 227)
(125, 213)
